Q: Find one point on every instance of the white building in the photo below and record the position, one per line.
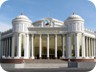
(48, 38)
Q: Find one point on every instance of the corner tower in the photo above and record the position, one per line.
(75, 23)
(20, 37)
(20, 23)
(75, 36)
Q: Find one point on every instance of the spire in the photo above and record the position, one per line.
(73, 13)
(48, 14)
(21, 13)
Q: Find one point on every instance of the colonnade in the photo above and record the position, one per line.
(6, 47)
(28, 45)
(77, 46)
(90, 47)
(87, 45)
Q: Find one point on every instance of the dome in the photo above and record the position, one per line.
(75, 17)
(22, 18)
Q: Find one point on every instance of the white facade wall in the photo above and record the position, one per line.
(75, 26)
(72, 26)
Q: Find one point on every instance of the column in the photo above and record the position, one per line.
(32, 40)
(89, 49)
(55, 45)
(83, 45)
(19, 46)
(26, 47)
(1, 48)
(40, 46)
(69, 50)
(94, 48)
(47, 45)
(9, 47)
(4, 48)
(87, 46)
(76, 46)
(63, 50)
(13, 46)
(42, 24)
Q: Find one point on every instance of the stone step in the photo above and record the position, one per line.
(47, 61)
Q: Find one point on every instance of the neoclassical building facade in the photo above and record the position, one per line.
(48, 38)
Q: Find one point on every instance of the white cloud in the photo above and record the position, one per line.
(4, 26)
(1, 2)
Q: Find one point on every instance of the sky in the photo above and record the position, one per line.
(38, 9)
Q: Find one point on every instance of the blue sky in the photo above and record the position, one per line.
(38, 9)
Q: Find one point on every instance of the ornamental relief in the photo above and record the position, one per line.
(46, 31)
